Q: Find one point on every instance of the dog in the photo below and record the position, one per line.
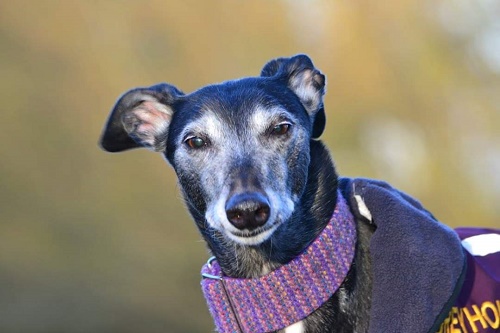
(260, 186)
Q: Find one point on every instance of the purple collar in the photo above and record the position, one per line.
(289, 293)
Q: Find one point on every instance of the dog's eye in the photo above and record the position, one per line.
(195, 142)
(280, 129)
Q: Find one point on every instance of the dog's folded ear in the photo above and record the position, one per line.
(306, 82)
(140, 118)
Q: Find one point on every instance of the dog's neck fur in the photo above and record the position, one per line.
(293, 236)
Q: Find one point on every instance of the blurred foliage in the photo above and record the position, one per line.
(95, 242)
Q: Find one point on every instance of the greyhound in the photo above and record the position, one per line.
(258, 183)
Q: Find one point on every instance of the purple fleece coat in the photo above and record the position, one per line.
(419, 267)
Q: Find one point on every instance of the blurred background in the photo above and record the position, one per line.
(99, 242)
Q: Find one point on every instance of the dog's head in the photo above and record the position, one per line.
(240, 148)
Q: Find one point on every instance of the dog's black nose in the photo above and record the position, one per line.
(248, 210)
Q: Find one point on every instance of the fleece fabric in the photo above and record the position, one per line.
(418, 264)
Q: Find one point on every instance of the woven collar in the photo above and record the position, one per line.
(289, 293)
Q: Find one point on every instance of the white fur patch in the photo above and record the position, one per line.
(482, 245)
(262, 118)
(363, 210)
(298, 327)
(216, 213)
(213, 127)
(208, 125)
(282, 203)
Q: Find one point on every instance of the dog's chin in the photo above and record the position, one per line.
(252, 238)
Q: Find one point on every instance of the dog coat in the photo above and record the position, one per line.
(477, 308)
(426, 276)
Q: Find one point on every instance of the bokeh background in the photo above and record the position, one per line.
(98, 242)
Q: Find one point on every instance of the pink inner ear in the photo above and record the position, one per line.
(153, 116)
(148, 122)
(308, 85)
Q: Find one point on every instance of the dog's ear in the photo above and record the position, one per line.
(273, 67)
(319, 123)
(140, 118)
(306, 82)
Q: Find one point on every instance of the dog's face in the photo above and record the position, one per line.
(240, 149)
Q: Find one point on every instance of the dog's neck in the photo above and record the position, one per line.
(306, 222)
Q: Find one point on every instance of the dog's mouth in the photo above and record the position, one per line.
(253, 237)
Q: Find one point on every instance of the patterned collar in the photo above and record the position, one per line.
(289, 293)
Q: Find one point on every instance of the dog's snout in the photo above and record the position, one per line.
(248, 210)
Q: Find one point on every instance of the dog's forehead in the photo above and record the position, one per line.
(248, 102)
